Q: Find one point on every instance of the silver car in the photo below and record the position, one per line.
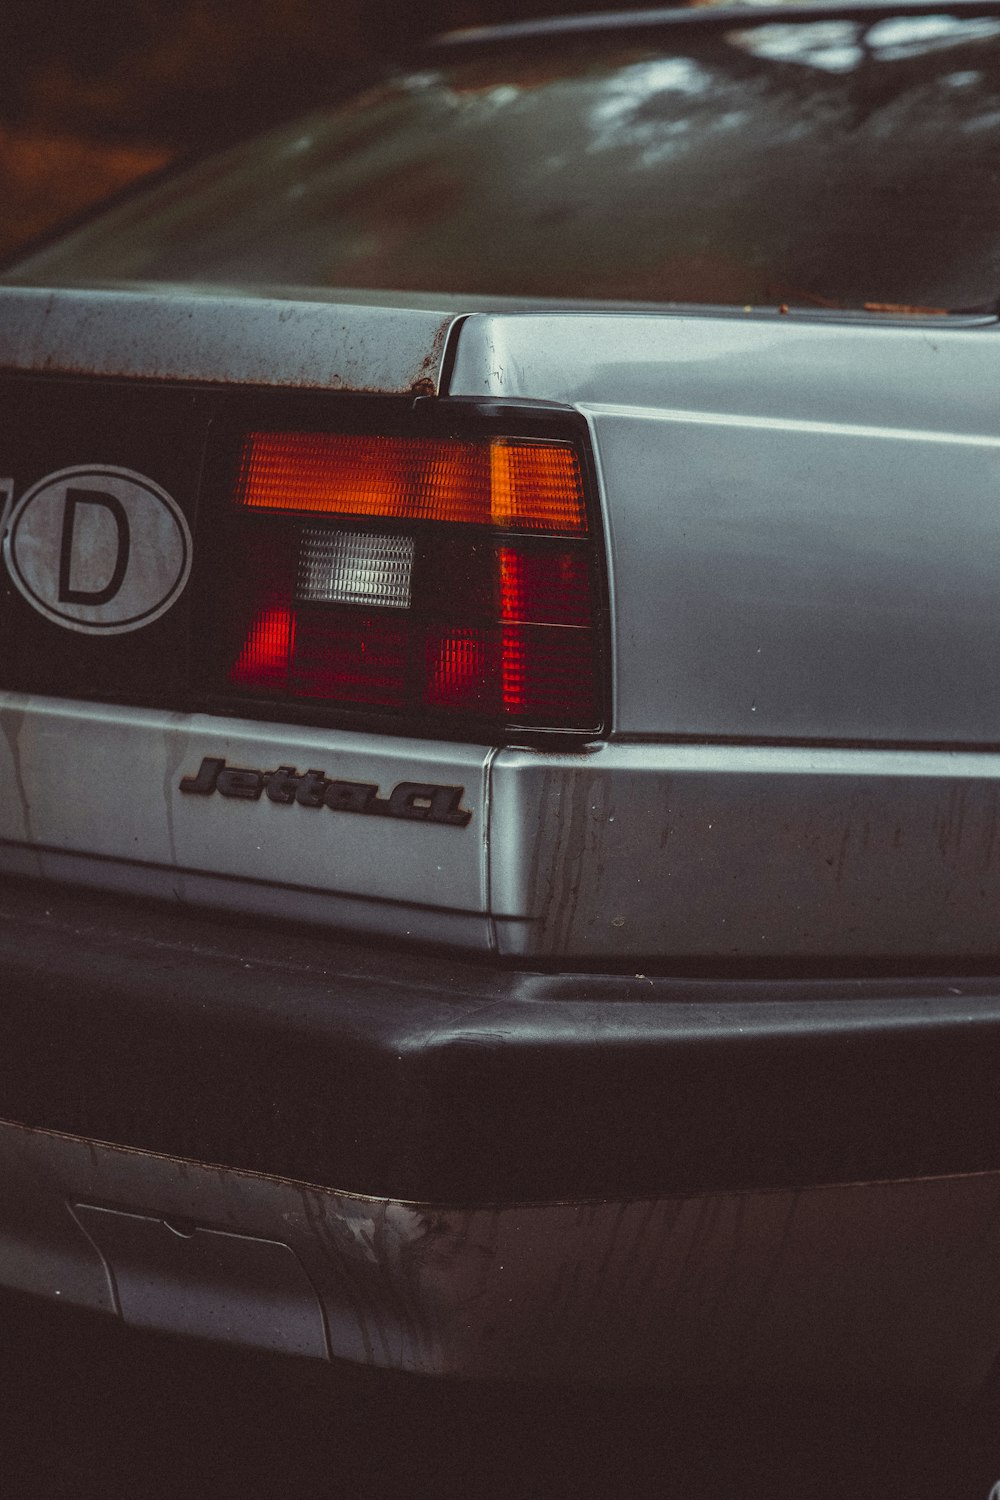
(500, 630)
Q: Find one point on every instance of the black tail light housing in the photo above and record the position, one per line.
(439, 572)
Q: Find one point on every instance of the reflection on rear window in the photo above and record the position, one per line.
(840, 164)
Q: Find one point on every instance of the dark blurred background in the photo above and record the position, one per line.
(93, 93)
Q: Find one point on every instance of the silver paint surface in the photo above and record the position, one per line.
(627, 850)
(93, 797)
(236, 338)
(803, 518)
(737, 852)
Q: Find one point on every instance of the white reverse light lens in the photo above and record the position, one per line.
(355, 567)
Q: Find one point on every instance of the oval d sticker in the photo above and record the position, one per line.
(101, 550)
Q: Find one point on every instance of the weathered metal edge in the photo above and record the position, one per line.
(203, 337)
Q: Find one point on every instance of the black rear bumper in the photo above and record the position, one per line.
(435, 1079)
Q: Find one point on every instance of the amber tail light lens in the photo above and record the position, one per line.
(439, 580)
(497, 482)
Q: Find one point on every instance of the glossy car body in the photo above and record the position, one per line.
(674, 1060)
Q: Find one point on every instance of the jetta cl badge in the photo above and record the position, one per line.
(100, 550)
(418, 801)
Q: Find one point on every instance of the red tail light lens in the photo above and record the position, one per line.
(351, 656)
(518, 674)
(443, 580)
(263, 661)
(544, 588)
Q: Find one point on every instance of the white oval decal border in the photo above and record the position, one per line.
(43, 572)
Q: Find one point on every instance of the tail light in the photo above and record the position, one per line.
(448, 580)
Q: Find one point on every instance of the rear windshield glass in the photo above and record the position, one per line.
(842, 164)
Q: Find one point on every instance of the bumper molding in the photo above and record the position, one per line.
(428, 1078)
(884, 1284)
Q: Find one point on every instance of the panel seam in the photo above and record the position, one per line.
(487, 863)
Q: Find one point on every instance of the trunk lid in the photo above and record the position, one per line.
(110, 403)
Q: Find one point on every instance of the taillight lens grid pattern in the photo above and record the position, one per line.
(351, 657)
(494, 482)
(551, 588)
(262, 664)
(350, 567)
(436, 579)
(515, 673)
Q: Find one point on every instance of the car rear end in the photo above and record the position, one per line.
(500, 774)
